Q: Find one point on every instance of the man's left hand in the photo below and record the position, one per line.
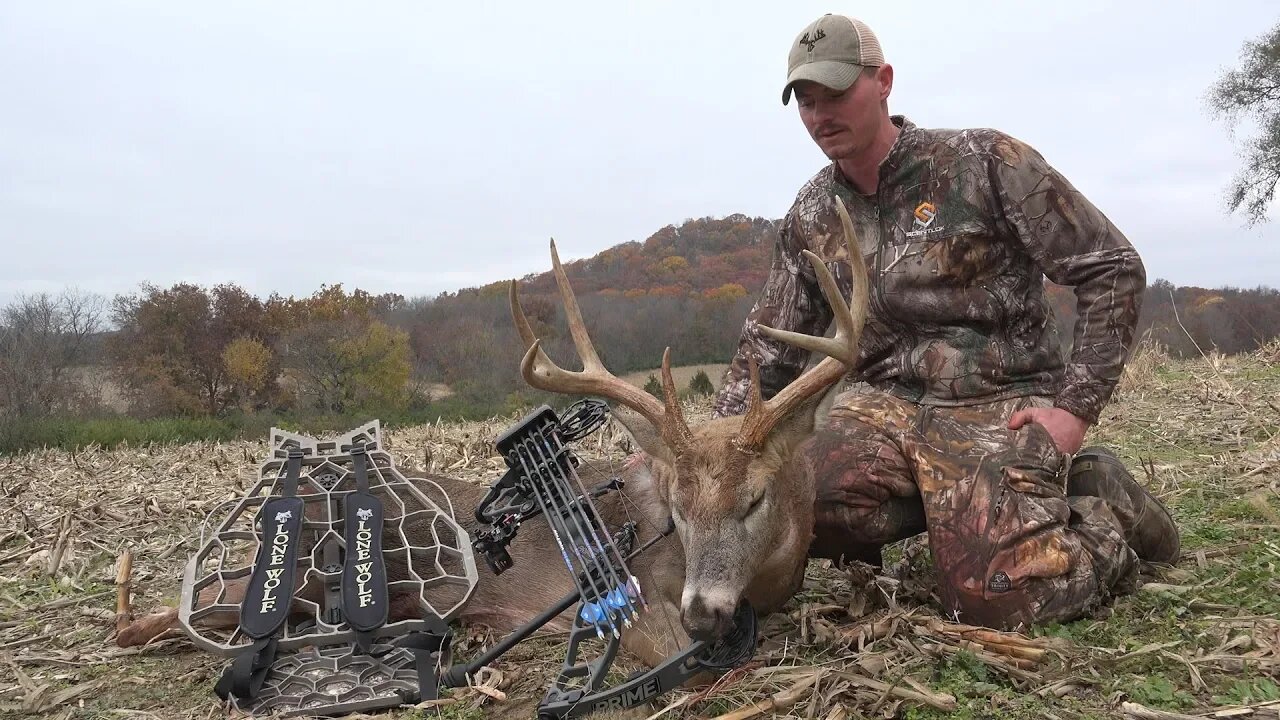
(1066, 429)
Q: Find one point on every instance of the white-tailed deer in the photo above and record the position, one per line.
(740, 498)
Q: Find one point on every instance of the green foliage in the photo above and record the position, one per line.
(109, 432)
(1157, 691)
(700, 384)
(1249, 692)
(653, 386)
(964, 668)
(70, 433)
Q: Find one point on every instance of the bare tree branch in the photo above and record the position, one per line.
(43, 338)
(1250, 94)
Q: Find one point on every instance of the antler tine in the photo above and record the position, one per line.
(841, 350)
(676, 431)
(541, 372)
(573, 314)
(517, 315)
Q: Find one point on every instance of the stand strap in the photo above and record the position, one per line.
(245, 675)
(270, 593)
(364, 574)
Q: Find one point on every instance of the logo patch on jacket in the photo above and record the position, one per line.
(925, 213)
(999, 582)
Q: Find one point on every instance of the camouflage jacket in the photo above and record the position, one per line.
(957, 239)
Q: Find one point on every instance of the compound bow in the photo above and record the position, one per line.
(542, 480)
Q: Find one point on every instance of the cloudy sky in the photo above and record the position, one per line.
(417, 147)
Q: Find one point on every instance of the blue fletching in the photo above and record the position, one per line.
(591, 613)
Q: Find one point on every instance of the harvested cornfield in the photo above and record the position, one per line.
(1199, 640)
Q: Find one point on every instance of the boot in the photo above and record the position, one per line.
(1148, 527)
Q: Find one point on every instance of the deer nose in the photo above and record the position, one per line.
(707, 616)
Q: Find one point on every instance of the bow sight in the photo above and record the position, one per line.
(344, 654)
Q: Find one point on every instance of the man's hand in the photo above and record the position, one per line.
(1066, 429)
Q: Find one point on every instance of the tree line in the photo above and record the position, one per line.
(192, 351)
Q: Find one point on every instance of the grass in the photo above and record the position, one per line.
(69, 433)
(121, 430)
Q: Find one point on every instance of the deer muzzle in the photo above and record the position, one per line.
(718, 568)
(708, 615)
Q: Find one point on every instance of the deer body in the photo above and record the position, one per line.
(538, 578)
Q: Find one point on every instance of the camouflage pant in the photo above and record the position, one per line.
(1009, 548)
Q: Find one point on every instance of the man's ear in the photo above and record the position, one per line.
(643, 433)
(884, 77)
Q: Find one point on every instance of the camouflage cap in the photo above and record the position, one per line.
(832, 51)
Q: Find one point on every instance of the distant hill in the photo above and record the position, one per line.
(707, 256)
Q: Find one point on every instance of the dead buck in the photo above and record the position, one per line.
(740, 498)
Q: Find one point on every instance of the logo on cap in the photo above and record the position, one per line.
(809, 42)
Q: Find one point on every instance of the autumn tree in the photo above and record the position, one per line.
(1250, 93)
(727, 291)
(344, 355)
(170, 344)
(43, 338)
(250, 369)
(345, 366)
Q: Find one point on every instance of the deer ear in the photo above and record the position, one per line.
(643, 433)
(798, 425)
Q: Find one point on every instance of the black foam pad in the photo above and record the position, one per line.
(270, 593)
(364, 575)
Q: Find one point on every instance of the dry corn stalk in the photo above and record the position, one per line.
(1019, 650)
(124, 569)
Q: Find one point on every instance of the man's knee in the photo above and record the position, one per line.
(1039, 603)
(864, 488)
(1048, 578)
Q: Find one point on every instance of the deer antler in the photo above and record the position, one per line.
(594, 379)
(841, 350)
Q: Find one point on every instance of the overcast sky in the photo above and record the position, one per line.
(417, 147)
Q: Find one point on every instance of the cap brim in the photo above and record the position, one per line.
(831, 73)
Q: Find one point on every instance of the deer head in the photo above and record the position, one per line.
(742, 507)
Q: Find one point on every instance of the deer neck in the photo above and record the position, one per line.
(781, 573)
(640, 499)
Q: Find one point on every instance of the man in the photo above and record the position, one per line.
(973, 416)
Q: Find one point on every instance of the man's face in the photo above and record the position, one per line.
(842, 123)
